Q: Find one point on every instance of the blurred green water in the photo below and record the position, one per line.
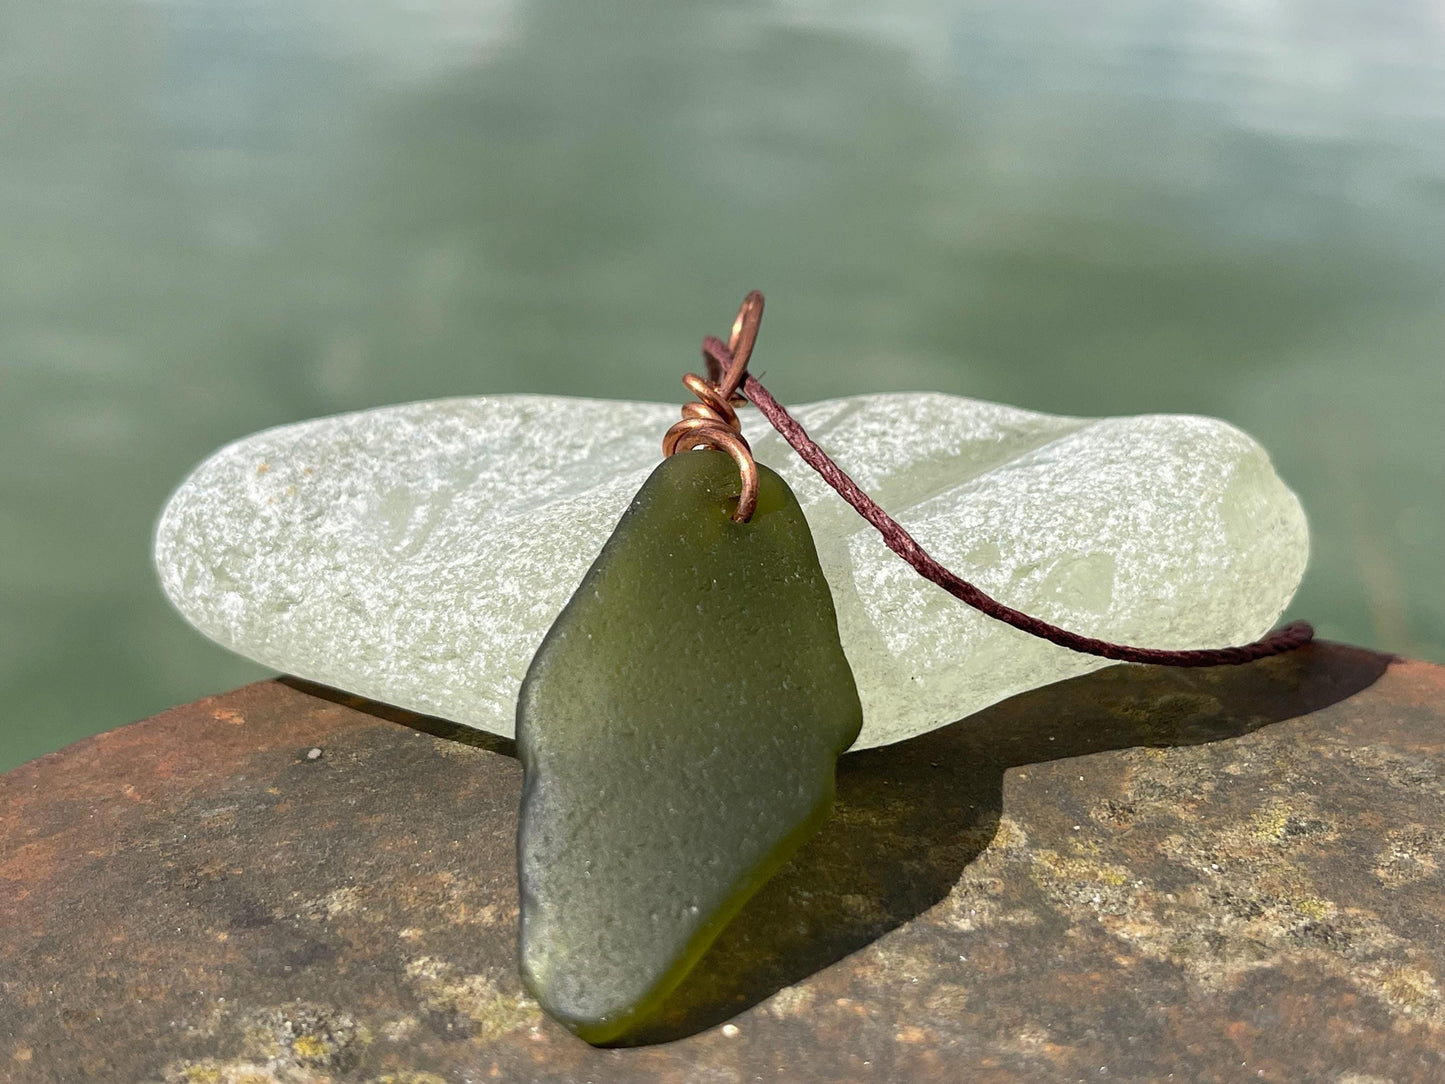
(224, 215)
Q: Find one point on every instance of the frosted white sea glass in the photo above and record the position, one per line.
(416, 554)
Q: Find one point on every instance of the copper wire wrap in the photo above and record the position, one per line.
(712, 421)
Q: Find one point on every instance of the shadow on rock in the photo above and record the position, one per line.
(427, 724)
(909, 817)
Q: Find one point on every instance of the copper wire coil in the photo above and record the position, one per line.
(725, 440)
(712, 421)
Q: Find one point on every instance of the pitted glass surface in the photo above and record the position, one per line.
(679, 728)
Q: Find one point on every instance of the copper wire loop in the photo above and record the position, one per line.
(712, 421)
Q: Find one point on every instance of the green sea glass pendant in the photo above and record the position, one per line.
(679, 728)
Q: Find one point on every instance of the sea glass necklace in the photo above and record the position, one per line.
(680, 725)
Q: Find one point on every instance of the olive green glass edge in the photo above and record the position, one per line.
(618, 1029)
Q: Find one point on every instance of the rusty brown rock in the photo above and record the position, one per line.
(1221, 875)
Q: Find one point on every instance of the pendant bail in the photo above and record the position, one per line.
(712, 421)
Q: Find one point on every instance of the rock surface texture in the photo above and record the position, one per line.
(417, 554)
(1138, 874)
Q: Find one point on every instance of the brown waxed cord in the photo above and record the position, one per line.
(727, 369)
